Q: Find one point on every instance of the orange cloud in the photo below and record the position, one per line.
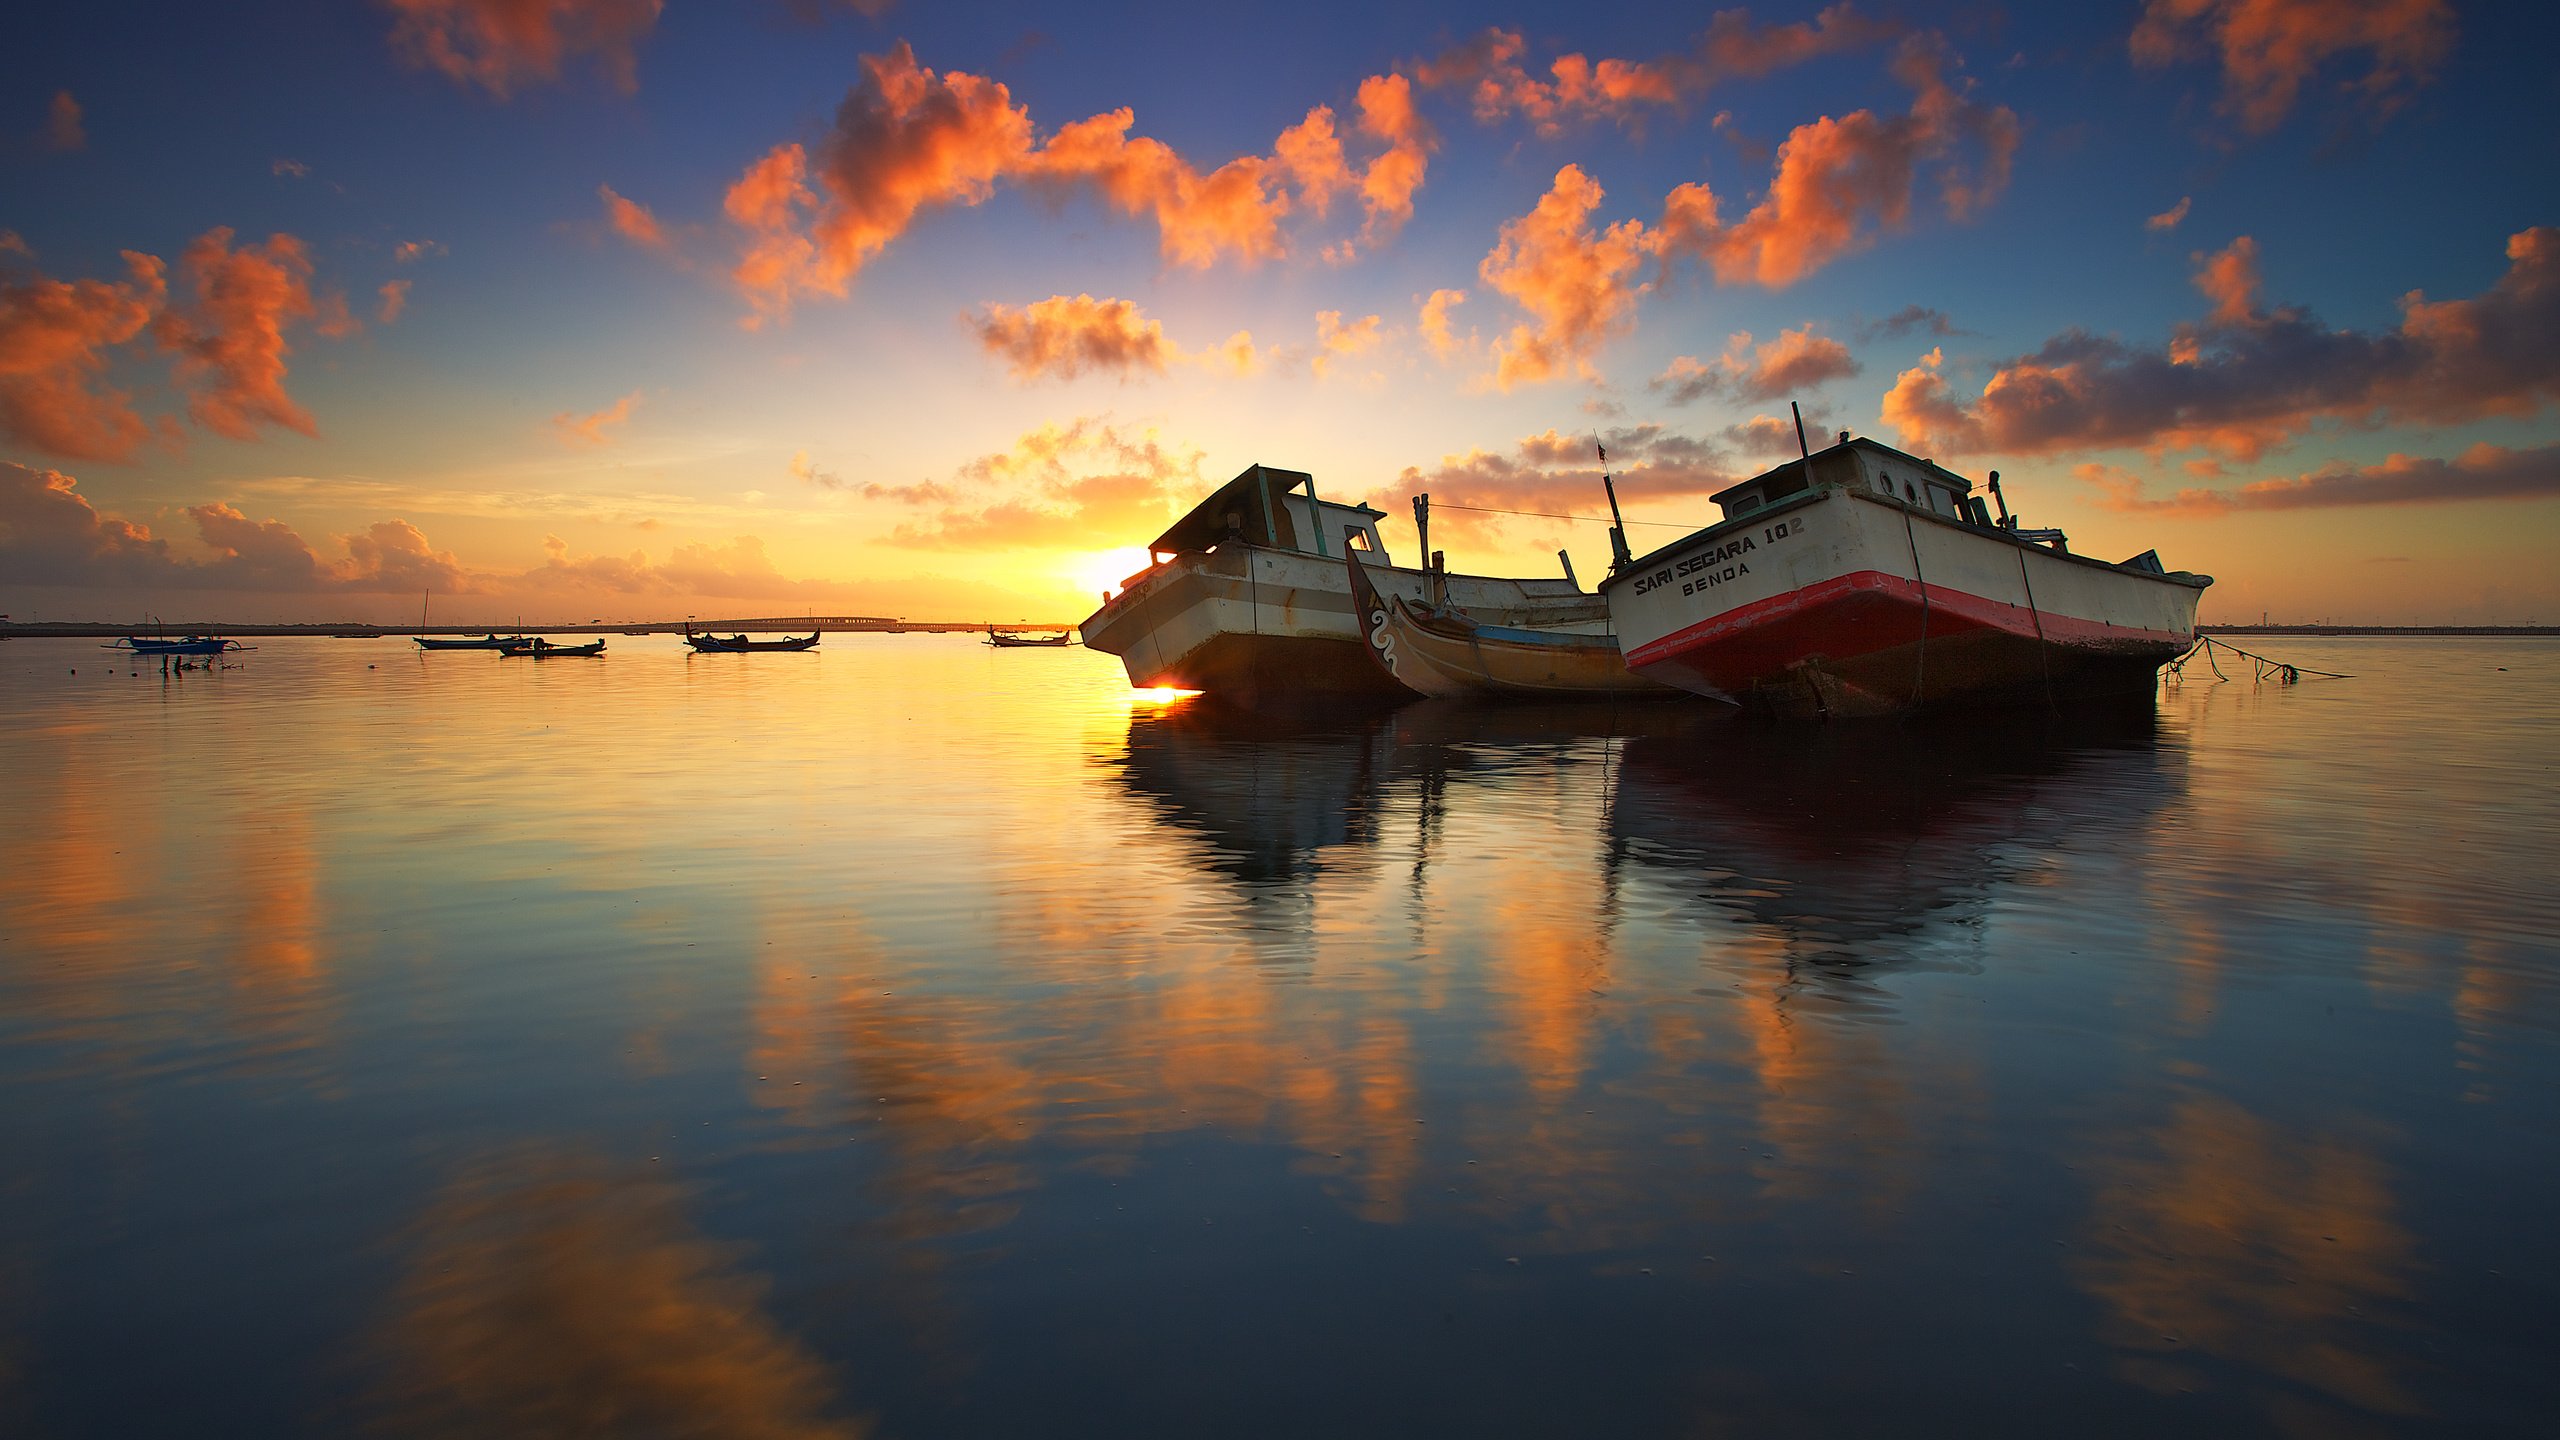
(2230, 280)
(2269, 48)
(1578, 286)
(1925, 413)
(1557, 474)
(2483, 472)
(1064, 336)
(1237, 356)
(1840, 181)
(576, 429)
(1388, 185)
(1797, 360)
(1336, 340)
(908, 139)
(230, 343)
(904, 140)
(1434, 322)
(54, 336)
(631, 220)
(803, 469)
(410, 251)
(395, 299)
(499, 45)
(2168, 219)
(1311, 153)
(1234, 209)
(2244, 381)
(51, 535)
(1080, 486)
(1578, 88)
(1775, 435)
(62, 127)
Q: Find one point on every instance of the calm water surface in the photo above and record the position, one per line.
(913, 1039)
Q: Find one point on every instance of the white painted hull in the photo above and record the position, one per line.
(1839, 602)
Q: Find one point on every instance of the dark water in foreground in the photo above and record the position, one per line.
(914, 1039)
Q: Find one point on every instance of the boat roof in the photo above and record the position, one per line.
(1206, 525)
(1931, 468)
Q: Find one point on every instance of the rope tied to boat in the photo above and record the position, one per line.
(2263, 667)
(1920, 674)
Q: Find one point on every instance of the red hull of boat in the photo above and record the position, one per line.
(1872, 644)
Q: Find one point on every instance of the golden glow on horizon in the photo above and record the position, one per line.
(1101, 572)
(1160, 695)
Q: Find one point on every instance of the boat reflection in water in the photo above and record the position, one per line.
(1857, 849)
(1274, 792)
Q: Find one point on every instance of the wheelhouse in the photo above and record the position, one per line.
(1278, 510)
(1862, 465)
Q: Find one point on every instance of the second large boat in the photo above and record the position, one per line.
(1249, 598)
(1860, 580)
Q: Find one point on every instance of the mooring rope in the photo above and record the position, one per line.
(2035, 615)
(1920, 674)
(2264, 669)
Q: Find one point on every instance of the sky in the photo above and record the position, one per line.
(613, 309)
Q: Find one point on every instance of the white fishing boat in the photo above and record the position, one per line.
(1249, 598)
(1864, 581)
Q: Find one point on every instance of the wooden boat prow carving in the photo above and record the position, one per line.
(1446, 654)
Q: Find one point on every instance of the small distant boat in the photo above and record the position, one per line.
(540, 649)
(740, 644)
(1003, 641)
(1446, 654)
(490, 641)
(188, 645)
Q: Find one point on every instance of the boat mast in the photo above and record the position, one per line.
(1618, 556)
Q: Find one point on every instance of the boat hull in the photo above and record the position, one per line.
(492, 642)
(707, 645)
(1261, 627)
(1447, 656)
(1842, 604)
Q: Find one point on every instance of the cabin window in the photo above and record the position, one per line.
(1884, 484)
(1356, 539)
(1743, 505)
(1908, 493)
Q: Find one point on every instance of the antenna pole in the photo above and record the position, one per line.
(1801, 448)
(1618, 556)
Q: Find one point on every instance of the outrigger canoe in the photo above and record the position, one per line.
(740, 644)
(492, 641)
(545, 650)
(190, 645)
(1030, 642)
